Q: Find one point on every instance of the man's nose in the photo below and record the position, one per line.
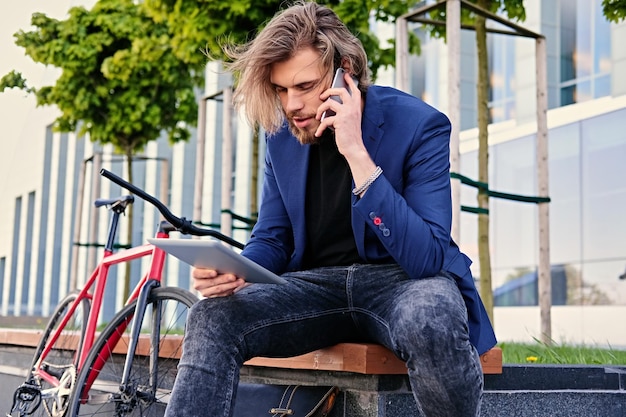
(294, 101)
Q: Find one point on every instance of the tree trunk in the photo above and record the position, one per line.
(486, 291)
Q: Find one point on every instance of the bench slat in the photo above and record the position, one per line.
(363, 358)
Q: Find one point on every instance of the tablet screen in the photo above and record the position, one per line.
(213, 254)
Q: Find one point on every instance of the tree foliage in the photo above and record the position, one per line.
(120, 81)
(204, 25)
(512, 9)
(614, 10)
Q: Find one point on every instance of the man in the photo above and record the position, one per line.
(355, 214)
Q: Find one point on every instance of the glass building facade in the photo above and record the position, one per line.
(588, 202)
(580, 62)
(587, 150)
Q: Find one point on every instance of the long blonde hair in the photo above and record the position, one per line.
(302, 25)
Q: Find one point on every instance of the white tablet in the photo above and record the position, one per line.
(203, 253)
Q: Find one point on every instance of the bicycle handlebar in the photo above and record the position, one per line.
(181, 224)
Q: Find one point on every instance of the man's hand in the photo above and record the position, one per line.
(347, 119)
(347, 125)
(211, 284)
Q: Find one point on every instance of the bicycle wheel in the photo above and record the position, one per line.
(60, 360)
(98, 384)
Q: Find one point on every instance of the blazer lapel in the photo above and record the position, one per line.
(372, 131)
(294, 165)
(372, 122)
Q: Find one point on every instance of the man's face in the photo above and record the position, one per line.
(299, 81)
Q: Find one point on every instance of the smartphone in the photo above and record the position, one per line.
(338, 82)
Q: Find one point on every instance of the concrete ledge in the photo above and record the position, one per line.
(554, 404)
(521, 390)
(559, 377)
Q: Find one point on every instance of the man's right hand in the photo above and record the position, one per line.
(209, 283)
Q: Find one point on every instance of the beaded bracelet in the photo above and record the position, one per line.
(359, 190)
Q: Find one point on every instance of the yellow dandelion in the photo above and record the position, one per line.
(531, 358)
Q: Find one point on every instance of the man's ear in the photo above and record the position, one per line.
(345, 64)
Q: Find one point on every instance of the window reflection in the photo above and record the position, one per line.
(585, 39)
(502, 77)
(587, 223)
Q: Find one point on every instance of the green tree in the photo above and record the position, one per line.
(614, 10)
(203, 25)
(120, 81)
(514, 10)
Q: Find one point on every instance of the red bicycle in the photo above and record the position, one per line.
(130, 367)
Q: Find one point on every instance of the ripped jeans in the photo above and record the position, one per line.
(424, 321)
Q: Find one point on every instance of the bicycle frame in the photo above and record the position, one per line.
(93, 291)
(97, 282)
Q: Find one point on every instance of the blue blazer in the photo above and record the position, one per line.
(404, 217)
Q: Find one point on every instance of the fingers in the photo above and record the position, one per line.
(339, 100)
(209, 283)
(342, 92)
(202, 273)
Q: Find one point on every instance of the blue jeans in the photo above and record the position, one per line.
(424, 321)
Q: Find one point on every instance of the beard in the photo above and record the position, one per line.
(304, 136)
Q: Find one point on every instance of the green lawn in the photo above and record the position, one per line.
(521, 353)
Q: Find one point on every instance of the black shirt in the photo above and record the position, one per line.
(330, 241)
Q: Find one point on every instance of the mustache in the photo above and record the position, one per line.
(300, 115)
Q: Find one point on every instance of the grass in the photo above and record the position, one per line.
(541, 353)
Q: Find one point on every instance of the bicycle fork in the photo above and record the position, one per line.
(127, 390)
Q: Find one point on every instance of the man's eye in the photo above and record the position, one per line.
(279, 90)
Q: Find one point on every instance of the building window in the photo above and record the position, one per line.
(501, 77)
(585, 56)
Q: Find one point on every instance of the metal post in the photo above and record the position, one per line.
(95, 217)
(200, 154)
(402, 54)
(453, 34)
(544, 275)
(78, 221)
(165, 182)
(227, 162)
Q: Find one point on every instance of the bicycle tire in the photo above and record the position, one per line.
(61, 360)
(103, 396)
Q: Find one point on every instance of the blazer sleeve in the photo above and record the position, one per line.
(409, 208)
(271, 241)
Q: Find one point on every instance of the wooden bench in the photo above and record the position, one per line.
(362, 358)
